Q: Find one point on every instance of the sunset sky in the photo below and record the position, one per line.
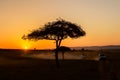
(99, 18)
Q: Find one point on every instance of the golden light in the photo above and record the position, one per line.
(26, 47)
(25, 44)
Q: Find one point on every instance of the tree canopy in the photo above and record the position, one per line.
(56, 30)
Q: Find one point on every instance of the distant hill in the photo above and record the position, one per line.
(107, 47)
(97, 47)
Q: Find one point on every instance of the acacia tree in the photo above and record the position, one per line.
(57, 30)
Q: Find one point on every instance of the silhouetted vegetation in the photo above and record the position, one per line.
(57, 30)
(63, 49)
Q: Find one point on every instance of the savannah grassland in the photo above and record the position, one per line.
(15, 65)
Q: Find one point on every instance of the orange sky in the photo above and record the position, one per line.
(99, 18)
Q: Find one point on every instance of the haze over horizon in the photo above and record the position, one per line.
(99, 18)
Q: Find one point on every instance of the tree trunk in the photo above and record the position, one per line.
(58, 42)
(56, 55)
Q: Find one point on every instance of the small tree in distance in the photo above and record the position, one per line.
(63, 49)
(57, 30)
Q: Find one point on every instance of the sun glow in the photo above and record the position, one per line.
(26, 47)
(25, 44)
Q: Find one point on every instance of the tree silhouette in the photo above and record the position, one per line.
(63, 49)
(57, 30)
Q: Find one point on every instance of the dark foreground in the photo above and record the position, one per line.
(15, 67)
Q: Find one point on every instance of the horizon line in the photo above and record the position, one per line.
(66, 46)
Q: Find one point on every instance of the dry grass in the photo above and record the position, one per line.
(13, 66)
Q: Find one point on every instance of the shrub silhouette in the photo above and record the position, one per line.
(63, 49)
(57, 30)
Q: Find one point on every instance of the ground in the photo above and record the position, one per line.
(13, 66)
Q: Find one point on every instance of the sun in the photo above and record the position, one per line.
(26, 47)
